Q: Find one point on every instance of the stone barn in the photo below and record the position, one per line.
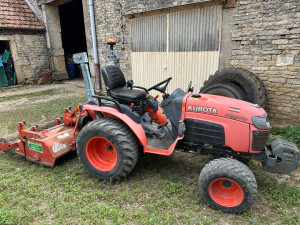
(185, 39)
(23, 36)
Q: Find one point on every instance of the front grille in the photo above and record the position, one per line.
(259, 140)
(198, 131)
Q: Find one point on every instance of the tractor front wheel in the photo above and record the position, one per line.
(107, 148)
(228, 185)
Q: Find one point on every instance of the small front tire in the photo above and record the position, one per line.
(228, 185)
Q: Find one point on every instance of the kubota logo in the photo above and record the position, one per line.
(202, 109)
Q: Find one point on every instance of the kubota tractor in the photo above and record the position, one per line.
(232, 131)
(110, 135)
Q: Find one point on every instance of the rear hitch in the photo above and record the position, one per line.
(6, 146)
(279, 157)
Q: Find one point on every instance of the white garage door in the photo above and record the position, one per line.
(184, 45)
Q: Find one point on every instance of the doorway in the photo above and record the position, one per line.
(7, 71)
(72, 33)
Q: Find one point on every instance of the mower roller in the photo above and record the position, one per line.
(109, 135)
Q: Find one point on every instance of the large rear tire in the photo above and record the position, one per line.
(228, 185)
(108, 149)
(251, 84)
(227, 89)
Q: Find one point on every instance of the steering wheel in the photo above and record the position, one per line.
(161, 89)
(190, 88)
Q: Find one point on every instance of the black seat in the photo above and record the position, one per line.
(115, 82)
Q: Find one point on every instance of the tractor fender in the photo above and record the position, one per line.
(136, 128)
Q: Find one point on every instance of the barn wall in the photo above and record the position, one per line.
(261, 36)
(113, 21)
(29, 52)
(265, 39)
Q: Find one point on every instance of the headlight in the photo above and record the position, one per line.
(261, 122)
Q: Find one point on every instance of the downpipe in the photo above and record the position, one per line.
(279, 157)
(94, 43)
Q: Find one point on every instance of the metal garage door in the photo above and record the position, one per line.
(184, 45)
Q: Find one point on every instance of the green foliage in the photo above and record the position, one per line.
(171, 187)
(288, 133)
(68, 194)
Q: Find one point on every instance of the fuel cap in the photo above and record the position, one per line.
(196, 96)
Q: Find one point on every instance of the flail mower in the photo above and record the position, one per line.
(109, 133)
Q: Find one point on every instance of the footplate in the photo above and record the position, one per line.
(281, 157)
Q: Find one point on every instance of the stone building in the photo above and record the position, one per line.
(24, 36)
(189, 40)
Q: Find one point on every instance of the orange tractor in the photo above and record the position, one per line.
(110, 133)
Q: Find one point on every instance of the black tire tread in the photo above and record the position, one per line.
(258, 95)
(228, 88)
(279, 143)
(233, 168)
(123, 135)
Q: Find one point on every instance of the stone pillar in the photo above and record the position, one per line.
(54, 42)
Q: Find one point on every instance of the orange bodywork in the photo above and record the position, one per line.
(47, 146)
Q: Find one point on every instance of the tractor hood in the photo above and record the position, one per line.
(224, 107)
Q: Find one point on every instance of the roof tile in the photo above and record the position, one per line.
(15, 14)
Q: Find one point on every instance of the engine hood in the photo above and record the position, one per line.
(223, 107)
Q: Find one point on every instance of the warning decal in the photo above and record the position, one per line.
(37, 147)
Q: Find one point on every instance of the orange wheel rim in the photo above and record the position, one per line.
(226, 192)
(101, 153)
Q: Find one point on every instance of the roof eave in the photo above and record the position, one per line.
(23, 28)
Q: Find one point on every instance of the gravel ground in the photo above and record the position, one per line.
(62, 90)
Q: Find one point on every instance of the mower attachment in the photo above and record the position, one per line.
(279, 157)
(5, 146)
(42, 147)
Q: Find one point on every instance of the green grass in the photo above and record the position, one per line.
(29, 96)
(68, 194)
(288, 133)
(160, 190)
(36, 113)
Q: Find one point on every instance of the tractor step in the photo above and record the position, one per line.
(161, 143)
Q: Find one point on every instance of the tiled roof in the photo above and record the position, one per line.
(15, 14)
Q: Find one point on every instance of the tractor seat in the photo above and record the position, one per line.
(126, 94)
(115, 82)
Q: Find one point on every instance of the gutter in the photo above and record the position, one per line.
(94, 42)
(33, 10)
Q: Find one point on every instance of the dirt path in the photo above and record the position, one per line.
(12, 98)
(37, 104)
(67, 85)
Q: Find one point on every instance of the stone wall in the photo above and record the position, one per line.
(266, 41)
(29, 52)
(109, 21)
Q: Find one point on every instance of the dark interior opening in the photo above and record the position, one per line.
(72, 33)
(72, 27)
(4, 45)
(7, 71)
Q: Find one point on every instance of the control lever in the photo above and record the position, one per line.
(162, 125)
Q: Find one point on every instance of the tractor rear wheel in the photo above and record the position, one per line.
(108, 149)
(228, 185)
(250, 83)
(227, 89)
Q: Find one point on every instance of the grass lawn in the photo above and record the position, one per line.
(160, 190)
